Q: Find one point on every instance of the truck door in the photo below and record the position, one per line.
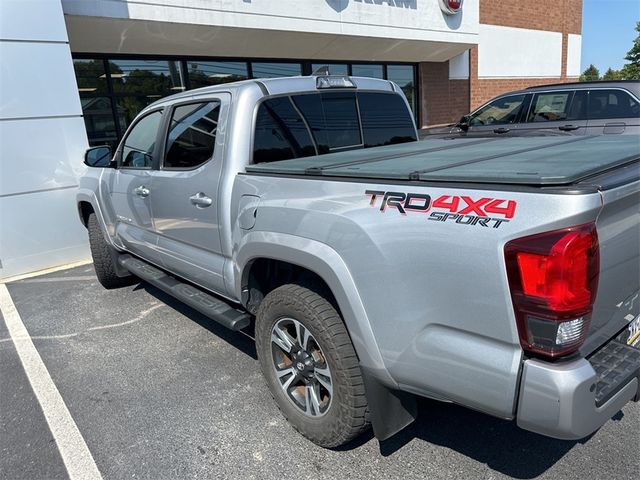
(184, 199)
(130, 186)
(613, 111)
(557, 112)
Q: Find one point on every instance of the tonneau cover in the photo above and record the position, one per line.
(557, 160)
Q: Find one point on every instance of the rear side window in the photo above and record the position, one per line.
(612, 104)
(138, 145)
(192, 135)
(280, 133)
(319, 123)
(385, 119)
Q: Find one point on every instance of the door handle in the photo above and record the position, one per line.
(500, 130)
(568, 128)
(200, 200)
(142, 191)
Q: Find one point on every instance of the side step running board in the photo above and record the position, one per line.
(208, 305)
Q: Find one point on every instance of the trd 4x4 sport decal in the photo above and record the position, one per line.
(483, 212)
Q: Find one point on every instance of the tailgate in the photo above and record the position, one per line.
(618, 298)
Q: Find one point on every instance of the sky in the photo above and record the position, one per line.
(608, 31)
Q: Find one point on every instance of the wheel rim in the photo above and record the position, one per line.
(301, 368)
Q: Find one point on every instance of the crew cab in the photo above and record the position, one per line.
(371, 268)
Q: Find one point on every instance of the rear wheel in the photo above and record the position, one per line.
(310, 365)
(103, 258)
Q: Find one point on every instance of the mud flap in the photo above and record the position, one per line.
(390, 410)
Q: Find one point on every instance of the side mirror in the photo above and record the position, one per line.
(463, 124)
(99, 157)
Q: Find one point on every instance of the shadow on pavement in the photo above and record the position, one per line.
(499, 444)
(243, 340)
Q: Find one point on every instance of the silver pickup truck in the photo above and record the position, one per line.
(500, 274)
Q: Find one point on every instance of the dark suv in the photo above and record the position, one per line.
(586, 108)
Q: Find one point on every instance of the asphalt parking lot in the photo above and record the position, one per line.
(159, 391)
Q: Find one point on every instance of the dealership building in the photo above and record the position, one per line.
(74, 73)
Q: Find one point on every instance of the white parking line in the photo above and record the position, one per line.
(73, 449)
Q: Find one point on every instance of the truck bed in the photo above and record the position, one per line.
(542, 161)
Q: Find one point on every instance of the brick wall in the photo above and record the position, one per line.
(552, 15)
(443, 100)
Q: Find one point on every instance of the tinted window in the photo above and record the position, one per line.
(138, 145)
(403, 76)
(333, 118)
(499, 112)
(361, 70)
(202, 74)
(612, 104)
(267, 70)
(385, 119)
(550, 107)
(192, 135)
(280, 132)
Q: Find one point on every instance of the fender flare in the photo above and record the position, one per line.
(325, 262)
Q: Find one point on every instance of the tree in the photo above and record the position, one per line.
(590, 74)
(631, 71)
(612, 74)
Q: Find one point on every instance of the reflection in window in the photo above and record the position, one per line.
(280, 132)
(334, 68)
(129, 107)
(333, 119)
(90, 76)
(550, 107)
(146, 77)
(502, 111)
(192, 135)
(403, 76)
(99, 122)
(202, 74)
(137, 151)
(612, 104)
(362, 70)
(269, 70)
(385, 119)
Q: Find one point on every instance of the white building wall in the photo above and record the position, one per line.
(574, 53)
(507, 52)
(379, 30)
(42, 139)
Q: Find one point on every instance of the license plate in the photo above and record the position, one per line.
(633, 330)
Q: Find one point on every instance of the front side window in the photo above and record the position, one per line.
(502, 111)
(604, 104)
(550, 107)
(138, 145)
(192, 135)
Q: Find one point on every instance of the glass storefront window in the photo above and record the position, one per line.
(99, 122)
(334, 68)
(128, 107)
(403, 76)
(362, 70)
(90, 76)
(146, 77)
(269, 70)
(202, 74)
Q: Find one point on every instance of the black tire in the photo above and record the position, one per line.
(103, 260)
(346, 415)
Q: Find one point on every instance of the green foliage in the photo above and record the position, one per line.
(612, 74)
(591, 74)
(631, 71)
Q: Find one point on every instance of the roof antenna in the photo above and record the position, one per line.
(323, 70)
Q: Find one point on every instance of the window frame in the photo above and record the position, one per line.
(525, 104)
(156, 148)
(165, 136)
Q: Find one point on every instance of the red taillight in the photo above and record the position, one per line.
(553, 278)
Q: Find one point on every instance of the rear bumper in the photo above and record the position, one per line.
(572, 400)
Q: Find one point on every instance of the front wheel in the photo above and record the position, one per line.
(310, 365)
(103, 258)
